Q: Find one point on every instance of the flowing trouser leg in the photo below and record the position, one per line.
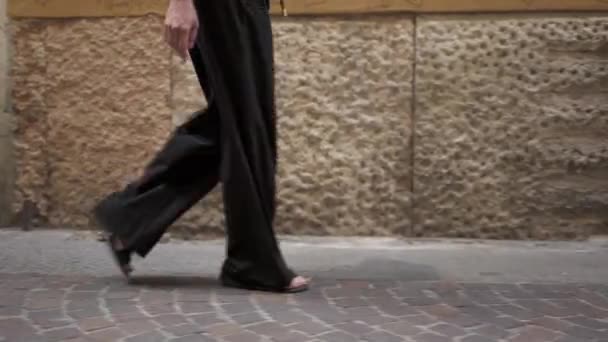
(235, 142)
(238, 41)
(182, 172)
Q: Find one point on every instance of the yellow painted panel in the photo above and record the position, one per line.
(96, 8)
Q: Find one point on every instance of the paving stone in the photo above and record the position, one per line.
(515, 311)
(477, 338)
(170, 320)
(243, 337)
(122, 308)
(457, 301)
(269, 329)
(87, 303)
(585, 333)
(92, 324)
(369, 315)
(421, 301)
(578, 307)
(268, 298)
(44, 304)
(227, 295)
(337, 337)
(330, 316)
(289, 316)
(571, 339)
(588, 322)
(196, 307)
(479, 311)
(224, 329)
(62, 334)
(401, 328)
(491, 331)
(206, 320)
(90, 287)
(159, 309)
(484, 296)
(49, 319)
(430, 337)
(130, 316)
(75, 296)
(248, 318)
(111, 334)
(85, 313)
(78, 339)
(377, 320)
(192, 338)
(464, 321)
(354, 328)
(504, 322)
(137, 326)
(184, 329)
(310, 328)
(6, 311)
(193, 296)
(393, 308)
(448, 330)
(124, 295)
(14, 328)
(238, 308)
(532, 333)
(551, 323)
(293, 336)
(382, 336)
(152, 336)
(420, 320)
(440, 310)
(594, 298)
(351, 302)
(512, 291)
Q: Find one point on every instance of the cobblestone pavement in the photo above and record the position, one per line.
(154, 308)
(63, 286)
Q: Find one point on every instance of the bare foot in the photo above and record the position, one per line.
(121, 255)
(299, 282)
(117, 244)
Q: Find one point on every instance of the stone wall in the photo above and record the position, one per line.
(512, 126)
(475, 126)
(6, 150)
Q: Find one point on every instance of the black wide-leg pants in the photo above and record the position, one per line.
(233, 142)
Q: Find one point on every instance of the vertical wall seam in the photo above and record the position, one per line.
(413, 218)
(46, 192)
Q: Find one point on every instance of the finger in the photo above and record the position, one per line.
(174, 40)
(166, 33)
(184, 37)
(170, 34)
(193, 36)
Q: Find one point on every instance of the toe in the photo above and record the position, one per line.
(299, 281)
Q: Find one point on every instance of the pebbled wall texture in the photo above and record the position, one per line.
(460, 126)
(511, 137)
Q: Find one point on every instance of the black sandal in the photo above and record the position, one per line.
(230, 281)
(121, 257)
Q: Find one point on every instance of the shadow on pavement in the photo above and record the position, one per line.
(174, 281)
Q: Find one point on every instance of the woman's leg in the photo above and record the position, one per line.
(237, 38)
(182, 172)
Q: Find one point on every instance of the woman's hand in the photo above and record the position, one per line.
(181, 26)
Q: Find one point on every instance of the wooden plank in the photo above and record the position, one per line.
(97, 8)
(435, 6)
